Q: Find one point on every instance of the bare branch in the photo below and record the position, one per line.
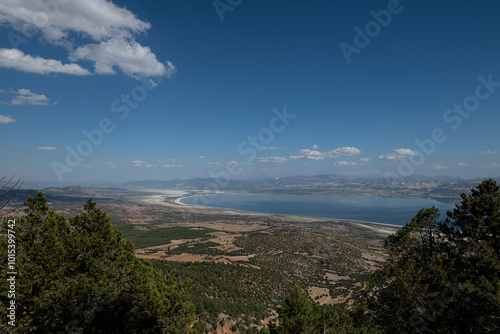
(8, 191)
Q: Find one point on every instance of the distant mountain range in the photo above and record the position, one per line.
(200, 183)
(442, 187)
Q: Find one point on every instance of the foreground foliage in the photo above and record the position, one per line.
(81, 276)
(299, 314)
(441, 277)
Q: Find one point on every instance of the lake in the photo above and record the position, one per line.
(386, 210)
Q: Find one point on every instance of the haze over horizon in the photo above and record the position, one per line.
(129, 90)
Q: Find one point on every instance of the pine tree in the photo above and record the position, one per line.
(81, 276)
(473, 229)
(296, 313)
(441, 277)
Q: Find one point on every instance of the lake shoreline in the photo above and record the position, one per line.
(174, 199)
(376, 226)
(365, 209)
(178, 201)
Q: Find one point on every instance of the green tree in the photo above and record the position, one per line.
(296, 312)
(81, 276)
(473, 229)
(399, 293)
(299, 314)
(441, 277)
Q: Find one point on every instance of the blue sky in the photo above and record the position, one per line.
(252, 88)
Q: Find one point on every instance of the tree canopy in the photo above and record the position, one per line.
(441, 277)
(299, 314)
(81, 276)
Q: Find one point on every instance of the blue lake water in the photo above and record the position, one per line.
(386, 210)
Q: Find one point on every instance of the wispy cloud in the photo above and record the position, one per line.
(490, 152)
(46, 148)
(344, 151)
(132, 58)
(345, 163)
(13, 58)
(25, 97)
(6, 119)
(139, 163)
(436, 166)
(109, 165)
(398, 154)
(273, 159)
(173, 166)
(462, 164)
(308, 154)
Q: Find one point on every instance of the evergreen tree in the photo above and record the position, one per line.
(441, 277)
(296, 312)
(473, 229)
(81, 276)
(299, 314)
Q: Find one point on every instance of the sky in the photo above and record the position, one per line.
(111, 91)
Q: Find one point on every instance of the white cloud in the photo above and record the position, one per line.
(365, 159)
(108, 165)
(405, 151)
(6, 119)
(461, 164)
(273, 159)
(172, 166)
(493, 165)
(398, 154)
(46, 148)
(345, 163)
(308, 154)
(343, 151)
(97, 19)
(111, 28)
(270, 148)
(138, 163)
(133, 59)
(436, 166)
(491, 152)
(315, 147)
(13, 58)
(317, 155)
(26, 97)
(87, 166)
(201, 157)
